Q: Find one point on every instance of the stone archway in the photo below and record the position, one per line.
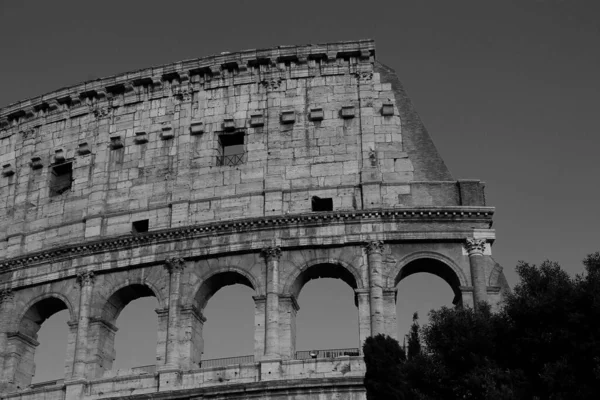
(22, 343)
(103, 327)
(288, 306)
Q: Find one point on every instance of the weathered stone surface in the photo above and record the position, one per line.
(225, 158)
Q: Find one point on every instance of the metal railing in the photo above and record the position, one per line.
(232, 159)
(328, 353)
(224, 362)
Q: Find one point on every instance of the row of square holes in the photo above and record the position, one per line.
(256, 120)
(317, 204)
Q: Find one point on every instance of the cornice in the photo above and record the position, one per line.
(205, 68)
(419, 214)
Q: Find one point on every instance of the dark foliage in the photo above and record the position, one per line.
(383, 358)
(544, 343)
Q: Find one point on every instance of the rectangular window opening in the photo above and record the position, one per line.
(61, 179)
(322, 204)
(231, 149)
(140, 226)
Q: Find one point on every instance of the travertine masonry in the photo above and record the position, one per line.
(267, 168)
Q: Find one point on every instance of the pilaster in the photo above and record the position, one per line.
(475, 249)
(374, 251)
(272, 256)
(175, 266)
(86, 285)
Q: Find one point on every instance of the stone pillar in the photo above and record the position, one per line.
(475, 248)
(288, 307)
(175, 267)
(19, 366)
(6, 313)
(161, 339)
(101, 339)
(71, 350)
(374, 250)
(364, 316)
(191, 344)
(259, 326)
(389, 312)
(272, 256)
(86, 285)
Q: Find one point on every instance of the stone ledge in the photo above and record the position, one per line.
(212, 66)
(434, 214)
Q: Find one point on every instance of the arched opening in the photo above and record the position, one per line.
(54, 338)
(327, 320)
(24, 344)
(127, 330)
(227, 337)
(423, 285)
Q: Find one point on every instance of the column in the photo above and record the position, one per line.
(374, 250)
(175, 267)
(288, 307)
(475, 248)
(364, 316)
(272, 256)
(86, 285)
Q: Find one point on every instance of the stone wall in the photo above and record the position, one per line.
(313, 121)
(266, 168)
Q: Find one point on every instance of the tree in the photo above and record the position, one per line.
(543, 344)
(383, 358)
(414, 342)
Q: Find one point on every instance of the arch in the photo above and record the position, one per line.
(333, 268)
(24, 341)
(125, 293)
(433, 263)
(218, 279)
(41, 308)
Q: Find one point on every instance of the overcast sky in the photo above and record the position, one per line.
(507, 89)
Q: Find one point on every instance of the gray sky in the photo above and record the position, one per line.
(507, 89)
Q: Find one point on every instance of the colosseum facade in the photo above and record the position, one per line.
(266, 168)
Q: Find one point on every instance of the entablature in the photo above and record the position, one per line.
(290, 231)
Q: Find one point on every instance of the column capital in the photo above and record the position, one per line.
(374, 247)
(85, 278)
(174, 264)
(475, 246)
(271, 253)
(6, 295)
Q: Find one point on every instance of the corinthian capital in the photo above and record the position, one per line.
(374, 247)
(475, 246)
(6, 295)
(174, 264)
(272, 252)
(85, 278)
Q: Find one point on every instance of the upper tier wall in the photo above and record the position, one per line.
(247, 134)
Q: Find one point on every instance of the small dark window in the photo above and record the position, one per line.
(61, 178)
(231, 149)
(139, 226)
(319, 204)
